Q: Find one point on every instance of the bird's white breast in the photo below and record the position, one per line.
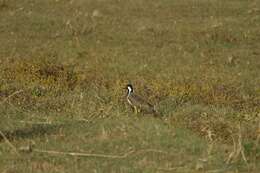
(128, 100)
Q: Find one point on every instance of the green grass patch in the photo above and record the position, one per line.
(63, 66)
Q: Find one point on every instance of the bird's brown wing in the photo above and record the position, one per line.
(145, 106)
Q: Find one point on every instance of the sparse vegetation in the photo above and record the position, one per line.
(63, 65)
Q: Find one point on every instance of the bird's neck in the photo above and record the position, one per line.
(129, 93)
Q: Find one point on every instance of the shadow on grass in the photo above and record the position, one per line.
(30, 132)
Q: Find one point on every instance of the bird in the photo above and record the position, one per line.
(138, 103)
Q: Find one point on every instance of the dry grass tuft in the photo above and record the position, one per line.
(68, 61)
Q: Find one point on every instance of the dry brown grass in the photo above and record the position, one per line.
(63, 65)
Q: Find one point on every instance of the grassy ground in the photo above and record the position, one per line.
(64, 64)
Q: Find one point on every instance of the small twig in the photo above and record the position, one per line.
(122, 156)
(98, 97)
(241, 148)
(8, 142)
(35, 122)
(11, 95)
(231, 155)
(84, 154)
(256, 143)
(238, 148)
(171, 169)
(84, 119)
(150, 150)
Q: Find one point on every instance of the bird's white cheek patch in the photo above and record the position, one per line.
(129, 89)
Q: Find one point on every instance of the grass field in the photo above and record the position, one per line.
(64, 63)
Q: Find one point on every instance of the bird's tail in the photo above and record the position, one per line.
(156, 113)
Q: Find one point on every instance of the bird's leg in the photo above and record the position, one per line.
(135, 110)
